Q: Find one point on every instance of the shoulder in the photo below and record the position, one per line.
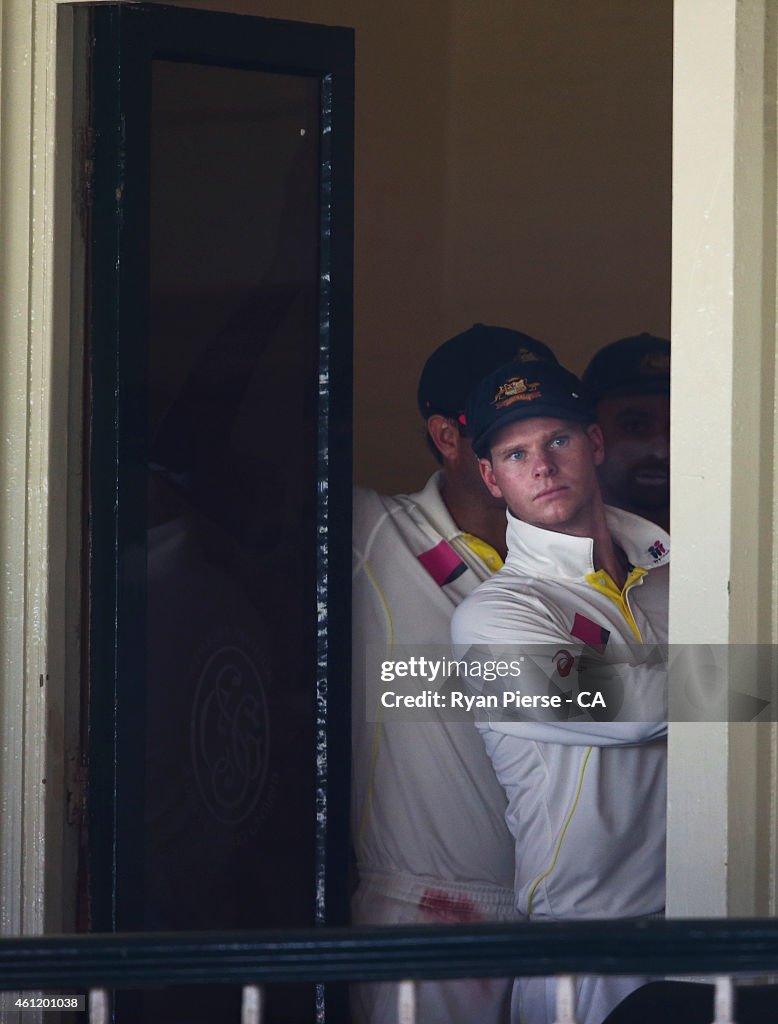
(389, 532)
(370, 508)
(504, 608)
(645, 544)
(366, 502)
(398, 515)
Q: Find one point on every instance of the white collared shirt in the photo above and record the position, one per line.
(586, 802)
(425, 802)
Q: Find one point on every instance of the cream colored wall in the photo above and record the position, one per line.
(34, 326)
(722, 798)
(558, 170)
(512, 166)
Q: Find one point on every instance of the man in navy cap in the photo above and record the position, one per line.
(629, 382)
(427, 812)
(584, 585)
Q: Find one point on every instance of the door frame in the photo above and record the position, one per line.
(123, 43)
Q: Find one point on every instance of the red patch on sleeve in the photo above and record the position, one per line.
(590, 633)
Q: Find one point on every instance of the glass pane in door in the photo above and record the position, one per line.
(231, 501)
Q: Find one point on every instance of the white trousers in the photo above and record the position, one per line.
(534, 999)
(402, 900)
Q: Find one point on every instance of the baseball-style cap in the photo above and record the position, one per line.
(458, 364)
(519, 391)
(631, 366)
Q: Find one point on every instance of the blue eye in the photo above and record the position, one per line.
(516, 456)
(559, 442)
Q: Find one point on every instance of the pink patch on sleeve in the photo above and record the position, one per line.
(442, 563)
(590, 633)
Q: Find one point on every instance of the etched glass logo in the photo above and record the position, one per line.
(230, 735)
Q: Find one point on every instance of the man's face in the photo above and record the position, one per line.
(545, 468)
(636, 472)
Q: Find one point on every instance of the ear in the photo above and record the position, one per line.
(487, 475)
(445, 435)
(597, 442)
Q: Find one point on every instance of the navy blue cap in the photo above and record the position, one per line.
(458, 364)
(639, 365)
(518, 391)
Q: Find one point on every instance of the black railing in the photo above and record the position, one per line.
(646, 947)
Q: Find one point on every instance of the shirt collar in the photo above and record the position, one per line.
(539, 552)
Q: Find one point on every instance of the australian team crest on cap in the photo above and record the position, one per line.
(514, 392)
(516, 389)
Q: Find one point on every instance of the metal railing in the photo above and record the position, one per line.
(659, 948)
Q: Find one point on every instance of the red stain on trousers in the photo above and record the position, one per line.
(445, 906)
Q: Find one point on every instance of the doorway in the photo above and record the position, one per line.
(218, 495)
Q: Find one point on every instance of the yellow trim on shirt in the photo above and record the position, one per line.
(382, 598)
(484, 551)
(377, 731)
(561, 839)
(492, 561)
(603, 583)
